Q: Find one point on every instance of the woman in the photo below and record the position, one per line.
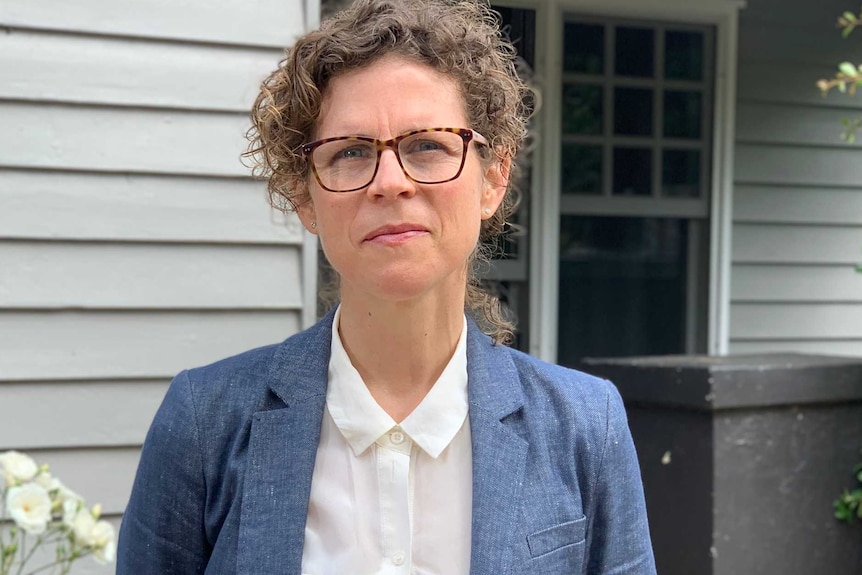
(394, 436)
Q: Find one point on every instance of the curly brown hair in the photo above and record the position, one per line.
(460, 38)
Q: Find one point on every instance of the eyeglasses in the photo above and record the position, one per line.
(429, 156)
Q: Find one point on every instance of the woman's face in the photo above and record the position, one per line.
(396, 239)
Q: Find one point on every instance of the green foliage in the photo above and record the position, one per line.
(848, 78)
(848, 506)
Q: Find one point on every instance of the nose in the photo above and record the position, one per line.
(390, 180)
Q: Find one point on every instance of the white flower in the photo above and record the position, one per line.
(46, 481)
(83, 526)
(30, 507)
(104, 546)
(71, 507)
(17, 467)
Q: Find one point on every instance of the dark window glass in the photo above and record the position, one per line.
(682, 114)
(519, 24)
(582, 109)
(634, 52)
(584, 48)
(632, 172)
(633, 111)
(683, 59)
(680, 173)
(581, 169)
(622, 287)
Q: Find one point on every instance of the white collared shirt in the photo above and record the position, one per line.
(390, 499)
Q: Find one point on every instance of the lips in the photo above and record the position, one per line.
(395, 233)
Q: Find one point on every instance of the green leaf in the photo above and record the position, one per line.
(850, 16)
(847, 68)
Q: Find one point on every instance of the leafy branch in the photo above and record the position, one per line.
(848, 78)
(849, 505)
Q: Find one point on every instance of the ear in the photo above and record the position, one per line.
(307, 216)
(496, 184)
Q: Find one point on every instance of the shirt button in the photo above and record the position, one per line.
(398, 558)
(397, 437)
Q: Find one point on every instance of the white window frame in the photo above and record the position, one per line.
(545, 207)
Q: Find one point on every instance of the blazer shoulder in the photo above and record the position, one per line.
(577, 385)
(265, 377)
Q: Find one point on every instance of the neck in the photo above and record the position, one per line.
(400, 348)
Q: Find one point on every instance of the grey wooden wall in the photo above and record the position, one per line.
(797, 229)
(133, 243)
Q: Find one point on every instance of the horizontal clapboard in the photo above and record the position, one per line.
(849, 348)
(788, 124)
(791, 83)
(122, 140)
(94, 206)
(762, 41)
(797, 165)
(92, 414)
(250, 22)
(800, 205)
(128, 344)
(796, 283)
(796, 17)
(798, 244)
(131, 72)
(99, 475)
(140, 276)
(789, 321)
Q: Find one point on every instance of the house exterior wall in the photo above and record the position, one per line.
(133, 243)
(797, 225)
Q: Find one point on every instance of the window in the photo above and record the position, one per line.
(635, 153)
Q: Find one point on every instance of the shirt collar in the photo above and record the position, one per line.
(432, 425)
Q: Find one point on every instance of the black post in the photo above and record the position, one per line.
(742, 457)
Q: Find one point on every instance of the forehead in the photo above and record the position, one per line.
(388, 97)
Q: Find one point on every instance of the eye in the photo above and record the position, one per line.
(341, 152)
(434, 144)
(354, 152)
(427, 146)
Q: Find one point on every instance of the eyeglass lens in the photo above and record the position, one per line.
(426, 157)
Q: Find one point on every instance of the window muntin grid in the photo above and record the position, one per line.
(656, 111)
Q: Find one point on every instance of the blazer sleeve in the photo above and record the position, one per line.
(162, 531)
(619, 541)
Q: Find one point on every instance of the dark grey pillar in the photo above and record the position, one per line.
(742, 457)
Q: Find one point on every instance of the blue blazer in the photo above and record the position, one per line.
(225, 472)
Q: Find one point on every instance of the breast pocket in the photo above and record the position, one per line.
(561, 546)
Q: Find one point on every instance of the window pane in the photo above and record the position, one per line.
(633, 111)
(682, 112)
(683, 58)
(632, 172)
(634, 52)
(681, 173)
(622, 287)
(584, 48)
(582, 109)
(581, 169)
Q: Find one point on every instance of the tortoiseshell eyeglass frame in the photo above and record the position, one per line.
(466, 134)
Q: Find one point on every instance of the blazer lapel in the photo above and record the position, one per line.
(282, 450)
(499, 453)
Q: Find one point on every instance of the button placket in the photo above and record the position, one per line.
(393, 475)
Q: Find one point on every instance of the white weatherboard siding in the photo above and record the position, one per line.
(133, 242)
(797, 231)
